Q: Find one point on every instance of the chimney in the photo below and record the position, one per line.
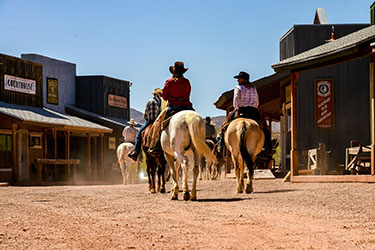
(320, 16)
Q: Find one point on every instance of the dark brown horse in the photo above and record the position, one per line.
(154, 164)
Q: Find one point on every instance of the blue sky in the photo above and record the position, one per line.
(137, 40)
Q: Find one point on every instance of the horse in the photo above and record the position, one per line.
(244, 139)
(181, 140)
(214, 171)
(154, 164)
(125, 162)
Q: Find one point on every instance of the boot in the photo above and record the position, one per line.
(220, 147)
(133, 155)
(155, 151)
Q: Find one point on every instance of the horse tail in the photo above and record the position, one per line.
(197, 135)
(244, 153)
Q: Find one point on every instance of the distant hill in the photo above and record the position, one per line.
(137, 116)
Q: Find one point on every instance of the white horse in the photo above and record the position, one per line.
(182, 139)
(125, 162)
(244, 139)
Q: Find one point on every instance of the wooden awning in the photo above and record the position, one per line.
(269, 96)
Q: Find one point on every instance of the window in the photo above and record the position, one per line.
(35, 140)
(5, 151)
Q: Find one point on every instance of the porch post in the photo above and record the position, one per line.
(67, 151)
(88, 156)
(102, 156)
(14, 149)
(294, 150)
(372, 88)
(54, 131)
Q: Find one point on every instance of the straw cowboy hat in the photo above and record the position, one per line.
(131, 122)
(156, 91)
(178, 68)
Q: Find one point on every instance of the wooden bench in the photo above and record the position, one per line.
(358, 158)
(40, 163)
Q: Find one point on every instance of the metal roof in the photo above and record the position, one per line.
(348, 44)
(105, 120)
(46, 116)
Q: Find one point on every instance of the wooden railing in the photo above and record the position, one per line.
(40, 163)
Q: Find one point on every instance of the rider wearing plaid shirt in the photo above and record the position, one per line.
(152, 111)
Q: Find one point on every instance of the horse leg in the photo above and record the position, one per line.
(201, 168)
(249, 185)
(153, 172)
(149, 174)
(161, 174)
(238, 174)
(185, 179)
(123, 173)
(172, 168)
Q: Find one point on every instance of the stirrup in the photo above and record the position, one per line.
(133, 155)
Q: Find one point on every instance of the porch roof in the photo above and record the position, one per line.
(35, 115)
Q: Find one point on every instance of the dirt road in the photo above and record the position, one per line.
(276, 216)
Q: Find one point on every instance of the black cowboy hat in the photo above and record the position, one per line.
(178, 68)
(243, 75)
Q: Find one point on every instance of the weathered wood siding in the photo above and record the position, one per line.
(24, 69)
(351, 108)
(92, 95)
(304, 37)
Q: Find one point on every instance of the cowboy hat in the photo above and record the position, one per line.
(178, 68)
(131, 122)
(156, 91)
(243, 75)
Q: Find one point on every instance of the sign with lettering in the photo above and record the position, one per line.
(18, 84)
(324, 108)
(117, 101)
(52, 91)
(112, 142)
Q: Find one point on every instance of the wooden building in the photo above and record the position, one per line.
(39, 145)
(337, 118)
(331, 101)
(105, 101)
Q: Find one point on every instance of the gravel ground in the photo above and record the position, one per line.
(276, 216)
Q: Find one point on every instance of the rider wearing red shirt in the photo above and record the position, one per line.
(177, 90)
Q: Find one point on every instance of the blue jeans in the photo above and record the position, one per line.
(138, 139)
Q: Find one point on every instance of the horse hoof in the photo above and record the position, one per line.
(249, 189)
(153, 190)
(174, 197)
(193, 198)
(239, 191)
(186, 196)
(162, 190)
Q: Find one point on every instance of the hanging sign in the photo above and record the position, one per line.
(18, 84)
(324, 103)
(52, 91)
(112, 142)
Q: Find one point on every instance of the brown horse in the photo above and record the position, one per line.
(244, 139)
(154, 164)
(213, 171)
